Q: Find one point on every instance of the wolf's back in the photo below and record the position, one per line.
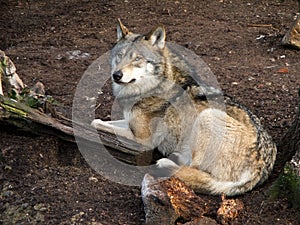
(259, 162)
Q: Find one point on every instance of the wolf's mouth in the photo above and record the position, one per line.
(125, 83)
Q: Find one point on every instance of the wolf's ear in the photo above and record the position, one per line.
(157, 37)
(122, 31)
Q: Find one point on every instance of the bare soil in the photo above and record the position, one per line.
(46, 181)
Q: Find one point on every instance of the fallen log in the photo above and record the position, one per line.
(8, 75)
(28, 109)
(169, 201)
(34, 121)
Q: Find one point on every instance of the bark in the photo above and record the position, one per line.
(290, 143)
(171, 201)
(8, 76)
(288, 183)
(167, 201)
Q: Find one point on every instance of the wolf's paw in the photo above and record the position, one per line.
(164, 162)
(164, 168)
(97, 123)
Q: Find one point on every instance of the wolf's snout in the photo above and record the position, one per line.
(117, 75)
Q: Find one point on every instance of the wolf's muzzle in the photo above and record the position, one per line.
(117, 76)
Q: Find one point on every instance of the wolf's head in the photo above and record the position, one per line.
(137, 60)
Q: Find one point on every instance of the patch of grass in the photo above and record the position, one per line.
(287, 186)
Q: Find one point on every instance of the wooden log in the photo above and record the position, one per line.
(34, 121)
(8, 75)
(170, 201)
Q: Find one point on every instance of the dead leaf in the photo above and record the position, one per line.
(283, 70)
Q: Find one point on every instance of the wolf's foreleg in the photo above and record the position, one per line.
(118, 127)
(119, 123)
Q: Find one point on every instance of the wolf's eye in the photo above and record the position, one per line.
(119, 57)
(138, 58)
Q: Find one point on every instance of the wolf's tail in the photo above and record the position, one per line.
(205, 183)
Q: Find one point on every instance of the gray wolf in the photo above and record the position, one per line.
(212, 150)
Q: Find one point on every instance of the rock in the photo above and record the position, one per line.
(292, 38)
(77, 218)
(40, 207)
(169, 200)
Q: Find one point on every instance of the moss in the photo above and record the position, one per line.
(287, 186)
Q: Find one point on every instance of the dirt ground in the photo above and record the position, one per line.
(45, 181)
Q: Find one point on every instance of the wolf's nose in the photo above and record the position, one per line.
(117, 75)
